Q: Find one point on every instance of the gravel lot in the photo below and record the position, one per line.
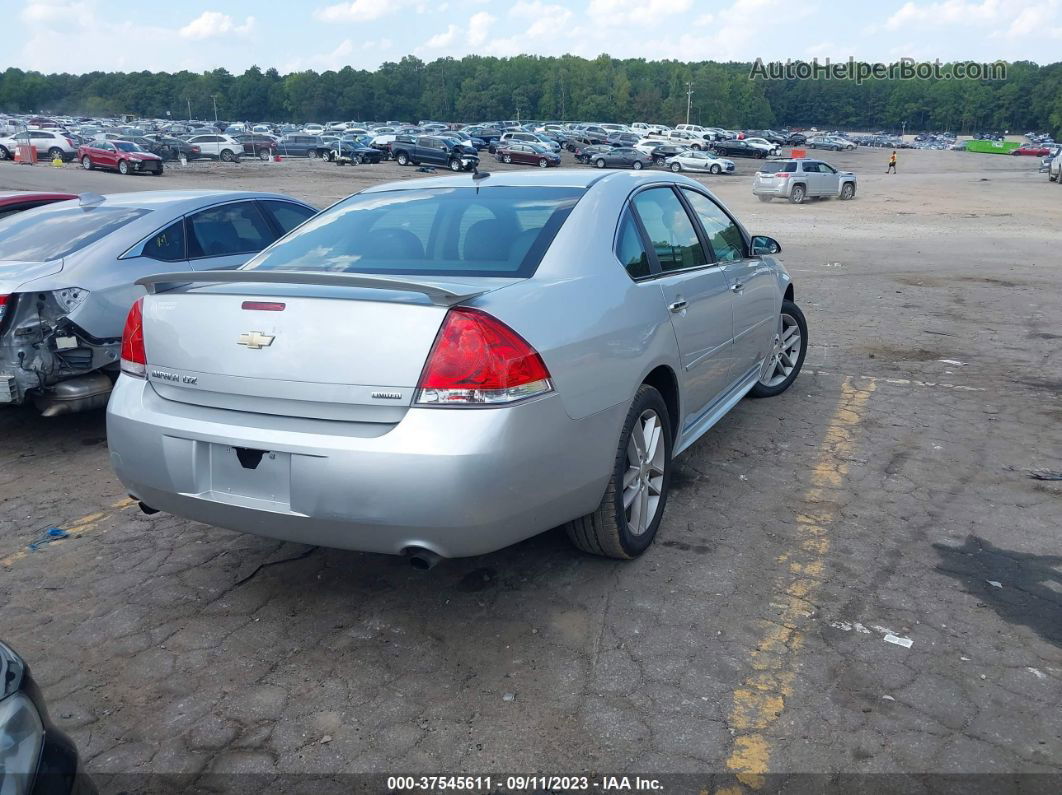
(888, 492)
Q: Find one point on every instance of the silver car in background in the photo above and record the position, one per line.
(446, 366)
(67, 274)
(800, 179)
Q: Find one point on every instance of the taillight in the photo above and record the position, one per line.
(134, 356)
(478, 360)
(3, 306)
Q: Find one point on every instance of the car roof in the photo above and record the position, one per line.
(537, 178)
(153, 199)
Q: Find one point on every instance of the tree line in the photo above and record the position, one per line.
(477, 88)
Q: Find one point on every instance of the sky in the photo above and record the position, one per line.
(131, 35)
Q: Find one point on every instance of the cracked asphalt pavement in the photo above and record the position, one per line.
(888, 493)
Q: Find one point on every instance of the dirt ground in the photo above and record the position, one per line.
(890, 492)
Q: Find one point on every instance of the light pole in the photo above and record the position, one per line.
(689, 100)
(903, 129)
(214, 97)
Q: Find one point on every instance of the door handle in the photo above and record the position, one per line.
(678, 306)
(737, 286)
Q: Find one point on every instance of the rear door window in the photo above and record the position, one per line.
(670, 229)
(723, 234)
(237, 228)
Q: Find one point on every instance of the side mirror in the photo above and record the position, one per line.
(764, 246)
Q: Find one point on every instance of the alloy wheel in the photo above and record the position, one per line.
(644, 479)
(785, 352)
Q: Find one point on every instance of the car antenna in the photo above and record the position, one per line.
(478, 175)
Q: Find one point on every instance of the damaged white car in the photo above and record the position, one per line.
(67, 274)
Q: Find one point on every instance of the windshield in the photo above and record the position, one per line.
(127, 146)
(501, 231)
(58, 231)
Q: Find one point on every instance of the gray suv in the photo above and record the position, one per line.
(797, 180)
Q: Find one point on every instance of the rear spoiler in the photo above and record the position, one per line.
(440, 296)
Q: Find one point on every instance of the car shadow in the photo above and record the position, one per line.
(1022, 588)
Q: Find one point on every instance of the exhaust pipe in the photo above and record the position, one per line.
(421, 558)
(147, 508)
(84, 393)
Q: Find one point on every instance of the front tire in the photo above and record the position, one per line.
(847, 191)
(123, 167)
(626, 521)
(507, 159)
(55, 152)
(455, 165)
(263, 154)
(676, 167)
(788, 349)
(543, 163)
(310, 153)
(600, 163)
(715, 169)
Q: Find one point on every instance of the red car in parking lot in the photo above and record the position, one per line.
(1033, 150)
(532, 154)
(125, 157)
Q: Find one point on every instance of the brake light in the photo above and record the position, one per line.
(3, 306)
(478, 360)
(265, 306)
(782, 174)
(134, 356)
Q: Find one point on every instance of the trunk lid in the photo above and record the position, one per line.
(331, 352)
(15, 274)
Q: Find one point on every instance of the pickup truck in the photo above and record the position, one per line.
(432, 150)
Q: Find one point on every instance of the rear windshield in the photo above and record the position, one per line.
(52, 233)
(500, 231)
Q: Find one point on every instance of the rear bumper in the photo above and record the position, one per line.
(457, 481)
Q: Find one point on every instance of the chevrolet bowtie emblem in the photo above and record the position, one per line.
(255, 340)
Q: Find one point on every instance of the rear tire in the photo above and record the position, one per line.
(55, 152)
(798, 194)
(227, 156)
(637, 165)
(402, 159)
(640, 478)
(676, 167)
(786, 352)
(86, 163)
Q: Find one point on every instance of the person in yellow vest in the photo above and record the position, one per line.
(892, 163)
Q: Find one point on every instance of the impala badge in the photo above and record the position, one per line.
(255, 340)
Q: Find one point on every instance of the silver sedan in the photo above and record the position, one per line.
(67, 274)
(446, 366)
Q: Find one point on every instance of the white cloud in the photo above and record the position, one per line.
(58, 13)
(211, 24)
(948, 12)
(357, 11)
(444, 39)
(546, 19)
(635, 12)
(479, 25)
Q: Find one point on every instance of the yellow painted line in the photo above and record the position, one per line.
(78, 527)
(760, 699)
